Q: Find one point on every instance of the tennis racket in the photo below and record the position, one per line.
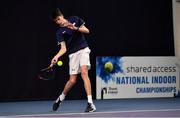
(47, 73)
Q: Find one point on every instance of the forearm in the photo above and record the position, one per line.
(83, 30)
(61, 52)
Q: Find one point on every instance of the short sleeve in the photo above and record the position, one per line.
(59, 37)
(77, 20)
(81, 22)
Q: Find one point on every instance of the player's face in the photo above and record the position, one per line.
(60, 21)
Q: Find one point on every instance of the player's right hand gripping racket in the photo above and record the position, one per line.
(47, 73)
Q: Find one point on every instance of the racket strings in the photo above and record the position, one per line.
(47, 74)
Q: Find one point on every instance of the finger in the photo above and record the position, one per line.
(70, 24)
(54, 61)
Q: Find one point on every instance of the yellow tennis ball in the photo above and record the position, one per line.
(59, 63)
(108, 66)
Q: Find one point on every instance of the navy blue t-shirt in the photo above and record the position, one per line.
(74, 40)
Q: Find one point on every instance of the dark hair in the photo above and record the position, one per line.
(56, 13)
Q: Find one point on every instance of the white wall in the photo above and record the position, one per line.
(176, 20)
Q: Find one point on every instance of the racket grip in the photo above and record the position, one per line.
(51, 65)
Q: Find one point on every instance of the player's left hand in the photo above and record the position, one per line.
(72, 26)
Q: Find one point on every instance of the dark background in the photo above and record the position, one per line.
(118, 28)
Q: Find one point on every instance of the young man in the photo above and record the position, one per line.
(71, 39)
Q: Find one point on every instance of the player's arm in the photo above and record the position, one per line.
(62, 49)
(61, 52)
(82, 29)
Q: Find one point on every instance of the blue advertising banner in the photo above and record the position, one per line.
(136, 77)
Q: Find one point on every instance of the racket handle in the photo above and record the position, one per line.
(51, 65)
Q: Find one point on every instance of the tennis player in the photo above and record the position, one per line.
(71, 39)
